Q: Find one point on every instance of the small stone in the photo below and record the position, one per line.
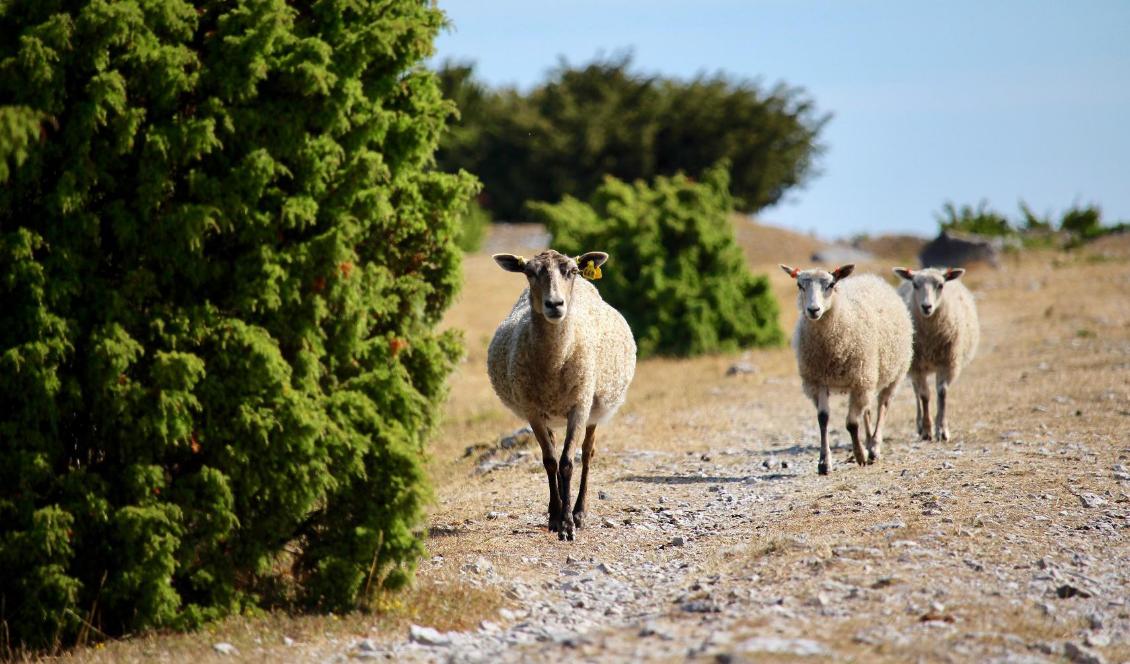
(663, 500)
(225, 648)
(700, 606)
(947, 465)
(287, 641)
(1047, 607)
(784, 464)
(676, 541)
(1081, 654)
(488, 626)
(507, 614)
(888, 525)
(741, 368)
(1097, 639)
(1091, 500)
(481, 566)
(570, 560)
(496, 515)
(428, 636)
(1096, 620)
(1067, 591)
(367, 645)
(778, 645)
(608, 523)
(602, 495)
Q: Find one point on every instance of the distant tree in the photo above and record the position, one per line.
(603, 118)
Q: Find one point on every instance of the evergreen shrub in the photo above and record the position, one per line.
(224, 250)
(675, 272)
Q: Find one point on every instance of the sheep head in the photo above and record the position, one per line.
(817, 288)
(551, 276)
(928, 286)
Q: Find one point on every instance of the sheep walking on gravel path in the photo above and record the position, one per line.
(854, 336)
(946, 333)
(563, 357)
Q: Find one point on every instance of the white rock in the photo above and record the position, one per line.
(775, 644)
(428, 636)
(225, 648)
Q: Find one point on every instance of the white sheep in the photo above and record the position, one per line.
(854, 336)
(946, 333)
(563, 357)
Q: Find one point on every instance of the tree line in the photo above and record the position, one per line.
(605, 118)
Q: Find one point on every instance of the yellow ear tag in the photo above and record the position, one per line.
(591, 271)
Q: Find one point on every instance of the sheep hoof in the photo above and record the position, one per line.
(579, 520)
(822, 468)
(566, 532)
(872, 457)
(926, 435)
(554, 525)
(943, 435)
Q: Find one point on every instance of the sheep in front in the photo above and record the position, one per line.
(854, 336)
(563, 357)
(946, 333)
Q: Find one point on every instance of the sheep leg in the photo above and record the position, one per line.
(822, 419)
(545, 438)
(565, 473)
(875, 438)
(856, 403)
(586, 455)
(922, 394)
(941, 431)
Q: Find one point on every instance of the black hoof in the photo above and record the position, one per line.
(822, 468)
(555, 525)
(579, 520)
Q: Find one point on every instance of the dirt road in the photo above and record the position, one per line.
(714, 538)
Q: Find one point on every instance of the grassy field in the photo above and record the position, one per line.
(942, 551)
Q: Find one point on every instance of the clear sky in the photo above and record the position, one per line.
(963, 100)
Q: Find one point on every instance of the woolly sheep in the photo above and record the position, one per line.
(563, 357)
(852, 336)
(946, 333)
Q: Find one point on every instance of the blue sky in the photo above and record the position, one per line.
(1001, 100)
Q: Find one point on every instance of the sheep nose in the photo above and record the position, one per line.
(812, 311)
(554, 303)
(927, 308)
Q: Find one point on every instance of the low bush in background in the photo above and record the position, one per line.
(675, 271)
(1075, 225)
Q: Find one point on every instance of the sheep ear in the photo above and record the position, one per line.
(791, 271)
(843, 271)
(510, 262)
(904, 272)
(954, 273)
(596, 257)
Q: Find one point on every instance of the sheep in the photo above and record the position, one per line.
(562, 357)
(852, 336)
(946, 334)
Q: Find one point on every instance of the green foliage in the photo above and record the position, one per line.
(675, 272)
(563, 136)
(473, 225)
(980, 220)
(1076, 225)
(224, 249)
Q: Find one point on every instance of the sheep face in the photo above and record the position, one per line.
(928, 286)
(817, 289)
(551, 276)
